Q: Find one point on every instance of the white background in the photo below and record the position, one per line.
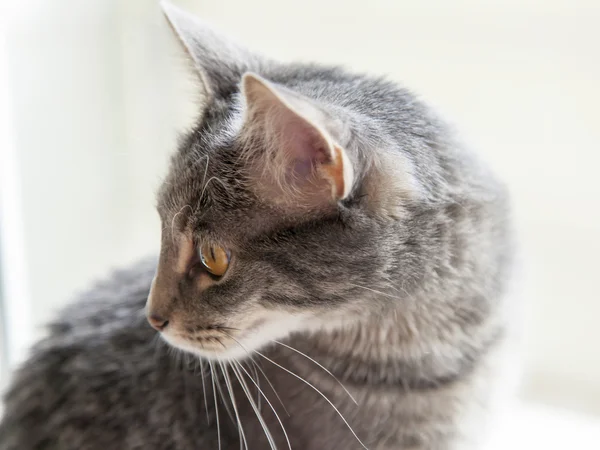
(90, 104)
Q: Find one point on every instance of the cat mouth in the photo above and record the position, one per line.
(224, 343)
(209, 344)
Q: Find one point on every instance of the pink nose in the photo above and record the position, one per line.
(158, 323)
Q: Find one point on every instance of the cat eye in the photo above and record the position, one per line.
(215, 259)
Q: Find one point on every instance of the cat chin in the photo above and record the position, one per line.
(264, 332)
(226, 353)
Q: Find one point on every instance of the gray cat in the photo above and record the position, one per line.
(333, 274)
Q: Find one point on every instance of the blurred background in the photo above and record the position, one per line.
(91, 100)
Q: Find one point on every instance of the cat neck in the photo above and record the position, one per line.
(392, 349)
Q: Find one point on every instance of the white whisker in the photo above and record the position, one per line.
(208, 182)
(269, 403)
(320, 393)
(242, 435)
(173, 221)
(256, 411)
(260, 369)
(212, 377)
(205, 168)
(407, 320)
(375, 291)
(321, 366)
(204, 389)
(224, 401)
(258, 397)
(272, 387)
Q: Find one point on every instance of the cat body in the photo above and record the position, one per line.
(329, 249)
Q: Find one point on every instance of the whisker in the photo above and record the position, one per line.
(227, 328)
(208, 182)
(375, 291)
(242, 435)
(205, 168)
(267, 400)
(321, 366)
(204, 390)
(176, 354)
(221, 342)
(256, 411)
(409, 323)
(261, 371)
(320, 393)
(175, 217)
(223, 400)
(212, 378)
(272, 387)
(157, 343)
(190, 361)
(258, 398)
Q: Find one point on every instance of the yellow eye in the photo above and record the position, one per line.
(215, 259)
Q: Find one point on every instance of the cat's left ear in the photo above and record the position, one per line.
(291, 141)
(217, 59)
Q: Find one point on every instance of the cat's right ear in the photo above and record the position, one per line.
(218, 60)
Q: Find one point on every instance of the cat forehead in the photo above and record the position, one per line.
(203, 205)
(206, 195)
(205, 156)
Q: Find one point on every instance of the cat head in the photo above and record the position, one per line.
(276, 207)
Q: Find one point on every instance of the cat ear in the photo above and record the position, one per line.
(219, 61)
(298, 155)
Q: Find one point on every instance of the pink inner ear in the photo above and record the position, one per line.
(303, 145)
(299, 164)
(301, 169)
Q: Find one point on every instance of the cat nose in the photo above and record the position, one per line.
(158, 323)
